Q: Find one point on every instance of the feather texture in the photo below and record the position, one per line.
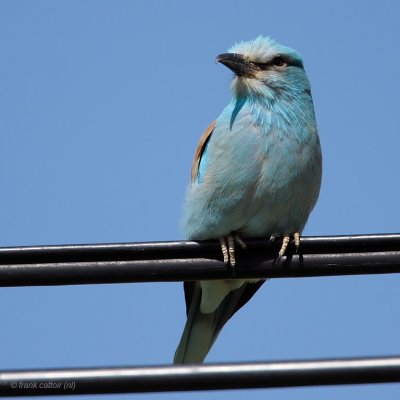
(257, 172)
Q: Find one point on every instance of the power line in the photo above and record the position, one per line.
(186, 260)
(199, 377)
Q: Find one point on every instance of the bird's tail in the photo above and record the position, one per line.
(202, 329)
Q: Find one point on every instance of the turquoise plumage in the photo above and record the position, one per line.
(256, 173)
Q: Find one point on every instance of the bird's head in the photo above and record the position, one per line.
(265, 68)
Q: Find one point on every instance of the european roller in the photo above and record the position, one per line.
(256, 173)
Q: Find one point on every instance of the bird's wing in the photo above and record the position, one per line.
(202, 329)
(200, 149)
(251, 289)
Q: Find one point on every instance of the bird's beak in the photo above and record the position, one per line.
(239, 64)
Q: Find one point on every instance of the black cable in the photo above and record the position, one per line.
(199, 377)
(185, 260)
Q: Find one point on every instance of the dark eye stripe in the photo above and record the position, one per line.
(288, 60)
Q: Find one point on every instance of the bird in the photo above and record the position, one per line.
(256, 173)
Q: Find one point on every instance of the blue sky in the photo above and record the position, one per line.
(101, 107)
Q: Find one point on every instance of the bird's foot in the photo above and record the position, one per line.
(296, 236)
(285, 242)
(228, 248)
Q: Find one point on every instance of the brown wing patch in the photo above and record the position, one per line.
(200, 149)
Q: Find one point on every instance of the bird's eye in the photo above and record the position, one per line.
(279, 62)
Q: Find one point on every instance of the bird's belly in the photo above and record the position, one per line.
(283, 202)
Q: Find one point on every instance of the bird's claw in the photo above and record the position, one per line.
(285, 243)
(284, 246)
(297, 240)
(228, 248)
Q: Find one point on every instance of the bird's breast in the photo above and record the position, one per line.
(260, 177)
(288, 159)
